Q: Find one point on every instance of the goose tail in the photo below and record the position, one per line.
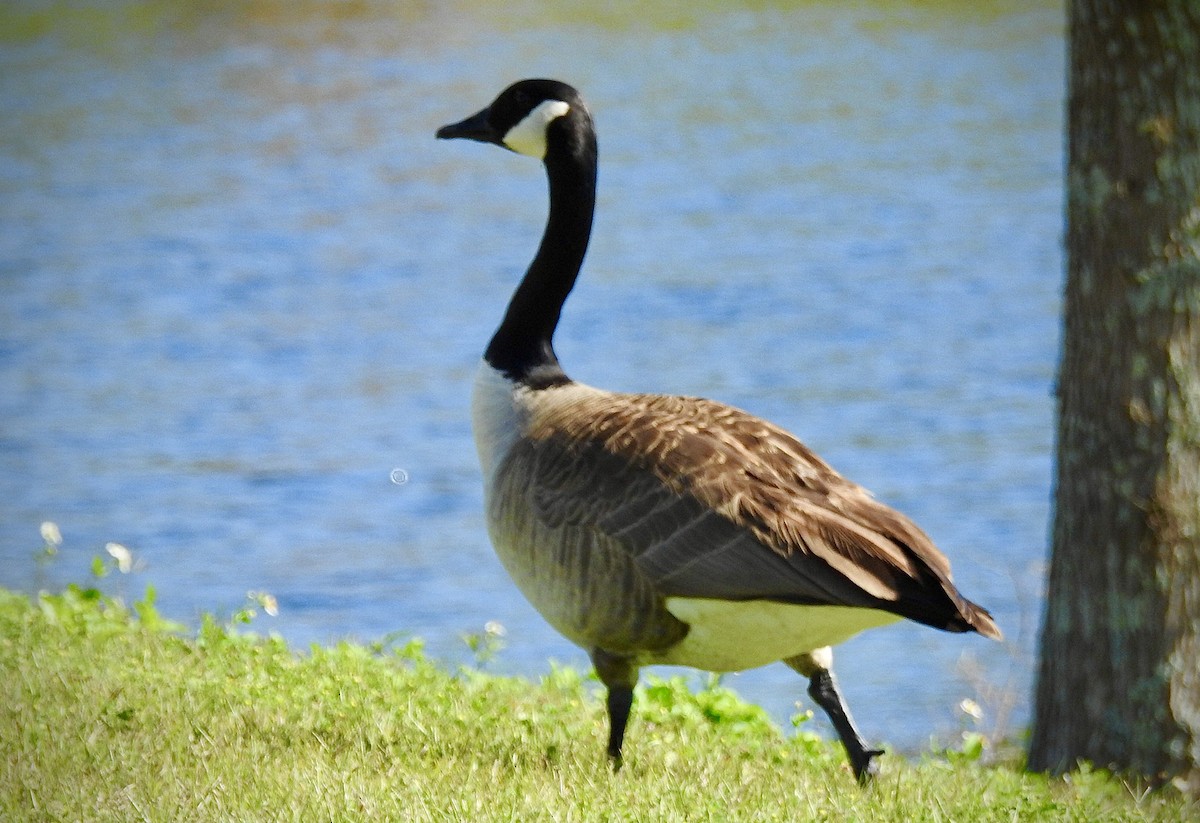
(978, 619)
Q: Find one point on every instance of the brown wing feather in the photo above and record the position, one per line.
(688, 480)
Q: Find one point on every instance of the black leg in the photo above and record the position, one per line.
(822, 687)
(620, 699)
(619, 675)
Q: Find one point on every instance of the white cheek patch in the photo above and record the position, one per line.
(529, 136)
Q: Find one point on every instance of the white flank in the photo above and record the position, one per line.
(529, 136)
(730, 636)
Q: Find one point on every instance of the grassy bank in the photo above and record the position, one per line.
(110, 713)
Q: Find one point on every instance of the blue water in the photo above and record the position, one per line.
(242, 286)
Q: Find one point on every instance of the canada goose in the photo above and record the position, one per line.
(653, 529)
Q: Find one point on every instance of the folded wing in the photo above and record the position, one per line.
(712, 502)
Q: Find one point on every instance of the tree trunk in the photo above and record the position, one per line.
(1119, 680)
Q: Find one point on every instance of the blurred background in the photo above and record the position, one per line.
(243, 292)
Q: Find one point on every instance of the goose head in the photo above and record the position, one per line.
(531, 117)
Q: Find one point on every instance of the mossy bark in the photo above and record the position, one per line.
(1119, 681)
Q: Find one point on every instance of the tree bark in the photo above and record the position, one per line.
(1119, 677)
(1119, 683)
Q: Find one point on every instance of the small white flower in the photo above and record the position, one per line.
(51, 534)
(266, 602)
(494, 628)
(970, 708)
(122, 555)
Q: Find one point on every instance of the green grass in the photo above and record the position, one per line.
(112, 713)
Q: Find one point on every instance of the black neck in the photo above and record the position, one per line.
(522, 347)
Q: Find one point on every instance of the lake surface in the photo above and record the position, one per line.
(243, 292)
